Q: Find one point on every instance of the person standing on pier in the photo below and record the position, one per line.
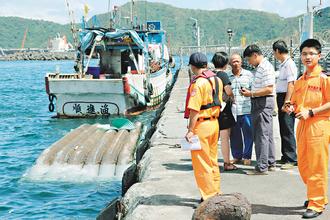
(220, 61)
(310, 102)
(241, 141)
(262, 100)
(202, 109)
(284, 89)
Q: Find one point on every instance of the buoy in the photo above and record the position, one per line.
(127, 88)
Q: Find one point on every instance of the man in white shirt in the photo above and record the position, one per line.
(262, 100)
(284, 89)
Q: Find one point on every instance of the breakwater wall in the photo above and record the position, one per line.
(38, 55)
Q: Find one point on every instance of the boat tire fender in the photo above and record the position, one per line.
(136, 99)
(150, 89)
(51, 107)
(146, 96)
(168, 87)
(171, 62)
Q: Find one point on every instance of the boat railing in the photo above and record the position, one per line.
(110, 43)
(63, 76)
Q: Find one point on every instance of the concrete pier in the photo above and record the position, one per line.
(166, 187)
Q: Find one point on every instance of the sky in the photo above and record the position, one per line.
(56, 10)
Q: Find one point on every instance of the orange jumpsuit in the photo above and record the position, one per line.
(313, 136)
(205, 161)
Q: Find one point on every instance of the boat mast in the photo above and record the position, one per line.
(132, 3)
(110, 15)
(79, 60)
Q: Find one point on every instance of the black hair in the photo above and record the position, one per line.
(251, 49)
(220, 59)
(311, 43)
(281, 46)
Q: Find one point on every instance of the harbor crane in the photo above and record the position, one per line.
(24, 38)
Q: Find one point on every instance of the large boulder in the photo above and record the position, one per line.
(224, 207)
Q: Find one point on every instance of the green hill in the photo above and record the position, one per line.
(38, 32)
(257, 26)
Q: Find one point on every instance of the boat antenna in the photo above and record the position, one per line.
(73, 25)
(145, 12)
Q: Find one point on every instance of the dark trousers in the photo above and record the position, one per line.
(241, 132)
(288, 140)
(262, 124)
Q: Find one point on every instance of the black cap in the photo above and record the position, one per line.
(198, 60)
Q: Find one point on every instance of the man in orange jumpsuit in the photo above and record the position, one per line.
(311, 103)
(203, 108)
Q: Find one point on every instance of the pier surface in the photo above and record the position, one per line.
(167, 188)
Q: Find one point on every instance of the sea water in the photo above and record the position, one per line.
(26, 129)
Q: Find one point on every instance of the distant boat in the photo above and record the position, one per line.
(59, 44)
(132, 73)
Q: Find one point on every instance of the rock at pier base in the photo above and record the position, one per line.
(224, 207)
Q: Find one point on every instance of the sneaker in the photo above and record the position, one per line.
(287, 166)
(306, 203)
(281, 162)
(309, 213)
(272, 168)
(274, 113)
(255, 172)
(247, 162)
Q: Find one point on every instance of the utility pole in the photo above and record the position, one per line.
(310, 20)
(230, 35)
(197, 32)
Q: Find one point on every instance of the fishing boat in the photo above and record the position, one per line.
(118, 71)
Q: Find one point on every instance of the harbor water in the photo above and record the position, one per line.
(26, 129)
